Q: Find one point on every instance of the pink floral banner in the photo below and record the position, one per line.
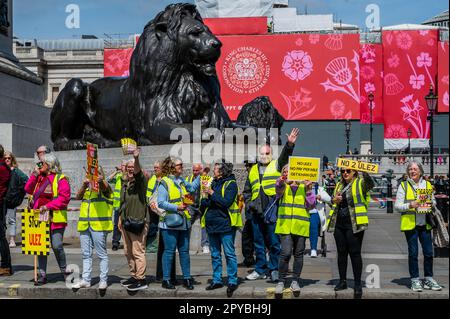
(371, 75)
(442, 84)
(117, 62)
(410, 67)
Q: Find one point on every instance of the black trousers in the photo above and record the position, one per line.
(248, 247)
(4, 246)
(348, 243)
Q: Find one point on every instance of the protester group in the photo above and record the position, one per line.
(280, 215)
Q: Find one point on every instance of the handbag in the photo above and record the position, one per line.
(271, 212)
(173, 220)
(135, 226)
(431, 219)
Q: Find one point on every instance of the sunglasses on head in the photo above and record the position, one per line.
(181, 165)
(348, 171)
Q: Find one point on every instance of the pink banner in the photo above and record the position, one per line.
(371, 76)
(443, 77)
(117, 62)
(410, 67)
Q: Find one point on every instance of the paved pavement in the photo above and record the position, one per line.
(384, 252)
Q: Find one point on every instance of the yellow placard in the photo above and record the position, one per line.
(304, 168)
(128, 145)
(357, 165)
(424, 198)
(205, 183)
(35, 234)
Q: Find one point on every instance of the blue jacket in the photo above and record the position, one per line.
(217, 219)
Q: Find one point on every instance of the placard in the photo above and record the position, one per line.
(35, 234)
(357, 165)
(304, 168)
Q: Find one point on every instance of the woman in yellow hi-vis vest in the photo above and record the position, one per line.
(347, 220)
(94, 224)
(50, 192)
(416, 227)
(292, 226)
(221, 218)
(116, 179)
(172, 191)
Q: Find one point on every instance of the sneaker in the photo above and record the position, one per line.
(115, 247)
(138, 285)
(313, 253)
(431, 284)
(128, 282)
(275, 276)
(295, 287)
(103, 285)
(12, 243)
(416, 285)
(279, 288)
(206, 250)
(255, 275)
(81, 284)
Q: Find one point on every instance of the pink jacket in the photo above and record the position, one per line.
(280, 187)
(63, 199)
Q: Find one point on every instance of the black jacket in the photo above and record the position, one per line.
(217, 218)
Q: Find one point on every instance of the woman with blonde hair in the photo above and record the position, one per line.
(18, 180)
(50, 192)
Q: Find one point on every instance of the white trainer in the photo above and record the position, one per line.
(295, 287)
(206, 250)
(279, 288)
(255, 275)
(81, 284)
(313, 253)
(103, 285)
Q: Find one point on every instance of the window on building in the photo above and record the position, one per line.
(55, 92)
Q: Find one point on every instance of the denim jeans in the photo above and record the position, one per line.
(56, 238)
(196, 215)
(174, 239)
(216, 242)
(291, 244)
(116, 232)
(314, 226)
(11, 219)
(424, 236)
(88, 240)
(4, 246)
(262, 233)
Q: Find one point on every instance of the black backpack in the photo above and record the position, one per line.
(16, 189)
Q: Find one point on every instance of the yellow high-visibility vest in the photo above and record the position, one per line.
(361, 203)
(408, 218)
(151, 186)
(293, 218)
(175, 194)
(96, 211)
(233, 211)
(59, 216)
(117, 189)
(269, 179)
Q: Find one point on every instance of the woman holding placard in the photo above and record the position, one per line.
(347, 221)
(416, 225)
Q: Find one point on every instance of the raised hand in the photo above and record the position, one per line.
(293, 136)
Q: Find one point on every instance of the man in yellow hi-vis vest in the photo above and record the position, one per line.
(259, 191)
(94, 224)
(115, 179)
(152, 235)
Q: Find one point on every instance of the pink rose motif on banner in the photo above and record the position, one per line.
(424, 59)
(411, 112)
(396, 131)
(404, 40)
(314, 38)
(389, 38)
(393, 61)
(342, 75)
(298, 105)
(297, 65)
(299, 42)
(430, 42)
(423, 32)
(365, 118)
(417, 81)
(337, 108)
(392, 84)
(445, 98)
(368, 53)
(445, 79)
(367, 72)
(369, 87)
(334, 42)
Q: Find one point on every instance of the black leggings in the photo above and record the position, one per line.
(348, 243)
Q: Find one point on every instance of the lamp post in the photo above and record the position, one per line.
(431, 100)
(371, 97)
(409, 140)
(348, 125)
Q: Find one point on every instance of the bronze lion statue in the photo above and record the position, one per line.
(172, 82)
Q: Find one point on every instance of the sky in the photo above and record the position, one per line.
(46, 19)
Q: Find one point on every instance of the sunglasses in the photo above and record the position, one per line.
(348, 171)
(181, 165)
(39, 164)
(8, 158)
